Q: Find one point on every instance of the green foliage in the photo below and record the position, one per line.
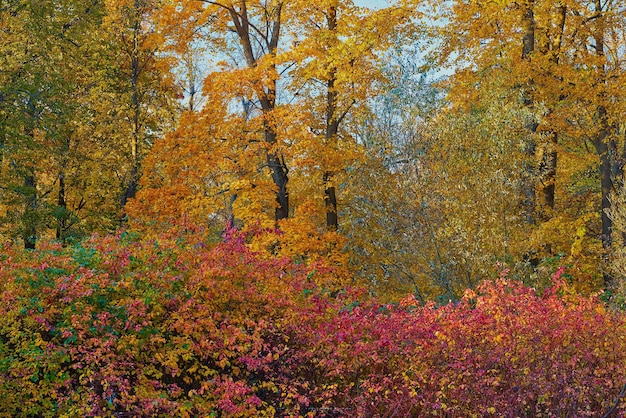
(65, 93)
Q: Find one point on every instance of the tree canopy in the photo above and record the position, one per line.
(422, 146)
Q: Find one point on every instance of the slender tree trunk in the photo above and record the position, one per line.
(30, 215)
(280, 176)
(602, 143)
(606, 178)
(528, 29)
(547, 175)
(277, 165)
(266, 95)
(61, 203)
(330, 201)
(619, 158)
(332, 129)
(192, 78)
(606, 183)
(29, 234)
(528, 175)
(133, 180)
(541, 165)
(550, 47)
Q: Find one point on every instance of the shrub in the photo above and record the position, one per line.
(172, 326)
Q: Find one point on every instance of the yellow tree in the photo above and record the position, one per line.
(598, 94)
(292, 72)
(140, 85)
(42, 78)
(554, 52)
(338, 49)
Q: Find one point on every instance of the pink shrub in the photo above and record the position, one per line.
(502, 352)
(171, 326)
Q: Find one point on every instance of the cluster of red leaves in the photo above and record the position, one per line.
(171, 326)
(504, 351)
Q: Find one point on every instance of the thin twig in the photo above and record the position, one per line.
(614, 407)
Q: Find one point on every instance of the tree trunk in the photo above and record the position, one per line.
(332, 129)
(550, 47)
(133, 181)
(131, 186)
(601, 143)
(30, 215)
(61, 203)
(330, 201)
(541, 158)
(528, 175)
(528, 29)
(606, 182)
(547, 176)
(29, 219)
(281, 178)
(266, 95)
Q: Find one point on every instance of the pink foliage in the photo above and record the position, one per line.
(173, 326)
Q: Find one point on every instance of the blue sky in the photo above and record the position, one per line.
(375, 4)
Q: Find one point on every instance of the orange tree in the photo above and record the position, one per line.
(276, 132)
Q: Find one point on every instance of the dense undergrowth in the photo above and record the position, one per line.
(174, 326)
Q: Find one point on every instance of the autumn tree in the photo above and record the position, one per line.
(140, 84)
(256, 27)
(278, 106)
(38, 101)
(600, 93)
(554, 53)
(63, 108)
(339, 59)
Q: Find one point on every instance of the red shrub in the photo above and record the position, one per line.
(171, 326)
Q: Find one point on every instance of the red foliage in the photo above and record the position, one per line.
(120, 326)
(505, 351)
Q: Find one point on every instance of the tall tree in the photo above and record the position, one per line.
(339, 54)
(296, 92)
(35, 106)
(257, 26)
(560, 70)
(140, 82)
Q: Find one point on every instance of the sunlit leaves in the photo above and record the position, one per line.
(566, 59)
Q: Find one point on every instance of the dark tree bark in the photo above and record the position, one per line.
(539, 179)
(29, 232)
(602, 142)
(133, 181)
(547, 175)
(29, 191)
(528, 175)
(550, 47)
(332, 129)
(61, 203)
(265, 93)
